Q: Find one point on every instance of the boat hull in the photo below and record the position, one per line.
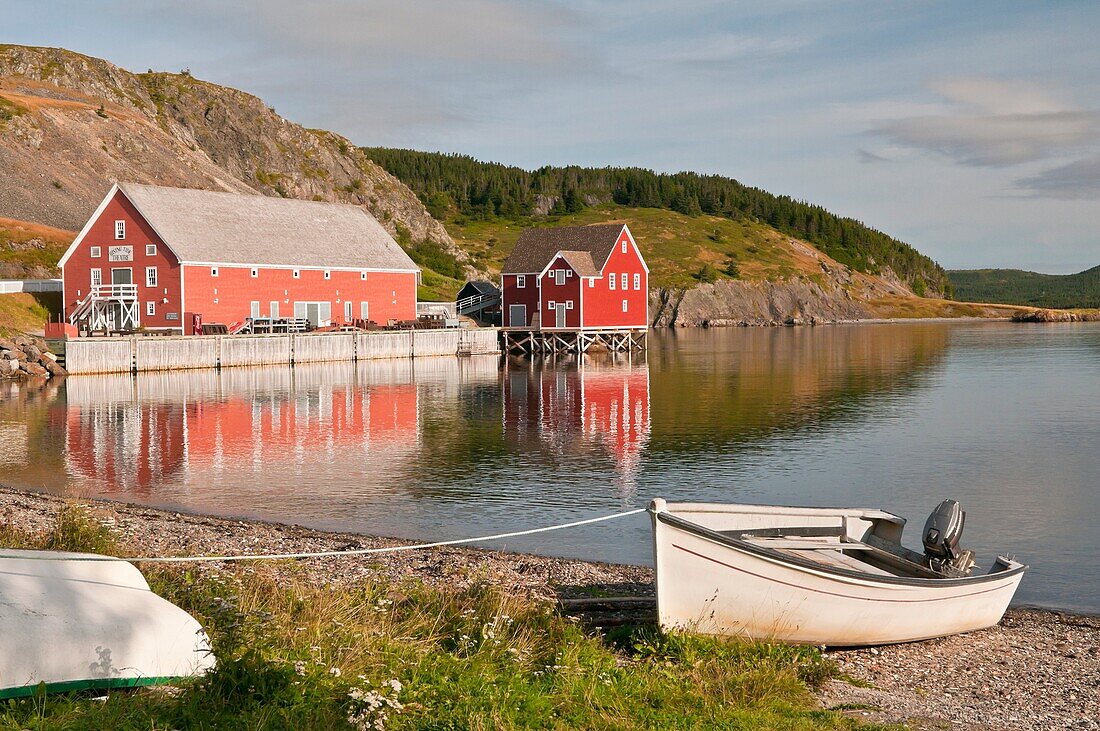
(710, 587)
(89, 624)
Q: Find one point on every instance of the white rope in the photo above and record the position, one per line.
(323, 554)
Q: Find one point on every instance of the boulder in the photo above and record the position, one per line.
(6, 344)
(33, 353)
(47, 355)
(35, 370)
(17, 354)
(8, 367)
(53, 367)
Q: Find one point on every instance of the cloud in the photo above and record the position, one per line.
(726, 47)
(993, 122)
(1078, 180)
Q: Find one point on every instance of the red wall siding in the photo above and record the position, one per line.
(568, 292)
(512, 295)
(603, 306)
(77, 270)
(228, 297)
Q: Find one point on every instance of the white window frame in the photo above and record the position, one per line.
(297, 275)
(255, 272)
(569, 304)
(150, 249)
(151, 277)
(120, 230)
(151, 308)
(254, 310)
(213, 271)
(611, 281)
(363, 276)
(559, 277)
(95, 252)
(625, 305)
(273, 309)
(624, 246)
(591, 282)
(551, 305)
(568, 273)
(521, 281)
(637, 280)
(364, 310)
(96, 274)
(625, 281)
(328, 274)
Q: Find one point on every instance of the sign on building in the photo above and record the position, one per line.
(120, 253)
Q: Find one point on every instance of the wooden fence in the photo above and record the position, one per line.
(145, 353)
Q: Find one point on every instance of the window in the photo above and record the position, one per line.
(297, 275)
(95, 252)
(255, 272)
(626, 284)
(364, 310)
(559, 277)
(637, 281)
(213, 271)
(363, 276)
(569, 304)
(624, 246)
(274, 308)
(120, 230)
(624, 305)
(591, 282)
(254, 309)
(150, 249)
(611, 281)
(150, 308)
(150, 276)
(97, 277)
(551, 305)
(521, 281)
(328, 274)
(568, 273)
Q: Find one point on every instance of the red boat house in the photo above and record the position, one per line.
(164, 258)
(590, 281)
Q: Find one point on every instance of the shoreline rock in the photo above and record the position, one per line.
(28, 356)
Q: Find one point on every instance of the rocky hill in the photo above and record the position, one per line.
(70, 123)
(1028, 288)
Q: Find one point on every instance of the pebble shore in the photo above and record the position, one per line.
(1038, 669)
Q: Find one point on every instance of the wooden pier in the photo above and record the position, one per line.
(556, 342)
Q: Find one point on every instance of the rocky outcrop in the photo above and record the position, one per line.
(27, 356)
(1057, 316)
(77, 123)
(737, 303)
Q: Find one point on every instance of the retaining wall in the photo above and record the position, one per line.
(146, 353)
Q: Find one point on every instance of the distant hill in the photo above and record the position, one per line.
(458, 188)
(1015, 286)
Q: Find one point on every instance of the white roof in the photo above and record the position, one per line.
(213, 227)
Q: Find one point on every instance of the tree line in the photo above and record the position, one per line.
(453, 185)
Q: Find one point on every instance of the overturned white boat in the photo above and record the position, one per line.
(76, 624)
(820, 576)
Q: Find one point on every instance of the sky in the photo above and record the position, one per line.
(970, 130)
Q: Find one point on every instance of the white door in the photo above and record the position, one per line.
(517, 315)
(347, 311)
(255, 307)
(560, 318)
(274, 310)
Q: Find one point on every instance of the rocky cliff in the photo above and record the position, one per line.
(70, 124)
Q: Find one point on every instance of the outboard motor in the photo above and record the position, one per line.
(942, 533)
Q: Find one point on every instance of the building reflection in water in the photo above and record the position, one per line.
(570, 407)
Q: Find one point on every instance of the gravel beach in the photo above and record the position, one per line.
(1036, 670)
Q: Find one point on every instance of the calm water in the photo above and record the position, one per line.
(1005, 418)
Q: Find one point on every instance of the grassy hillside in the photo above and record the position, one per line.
(458, 187)
(1081, 290)
(31, 250)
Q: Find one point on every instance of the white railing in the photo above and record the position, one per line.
(447, 309)
(476, 302)
(114, 291)
(11, 286)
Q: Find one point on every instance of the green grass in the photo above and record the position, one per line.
(10, 109)
(296, 654)
(675, 246)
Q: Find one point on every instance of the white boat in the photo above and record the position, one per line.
(820, 576)
(75, 624)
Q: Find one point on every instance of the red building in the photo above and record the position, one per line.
(576, 278)
(160, 258)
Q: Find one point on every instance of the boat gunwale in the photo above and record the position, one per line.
(798, 561)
